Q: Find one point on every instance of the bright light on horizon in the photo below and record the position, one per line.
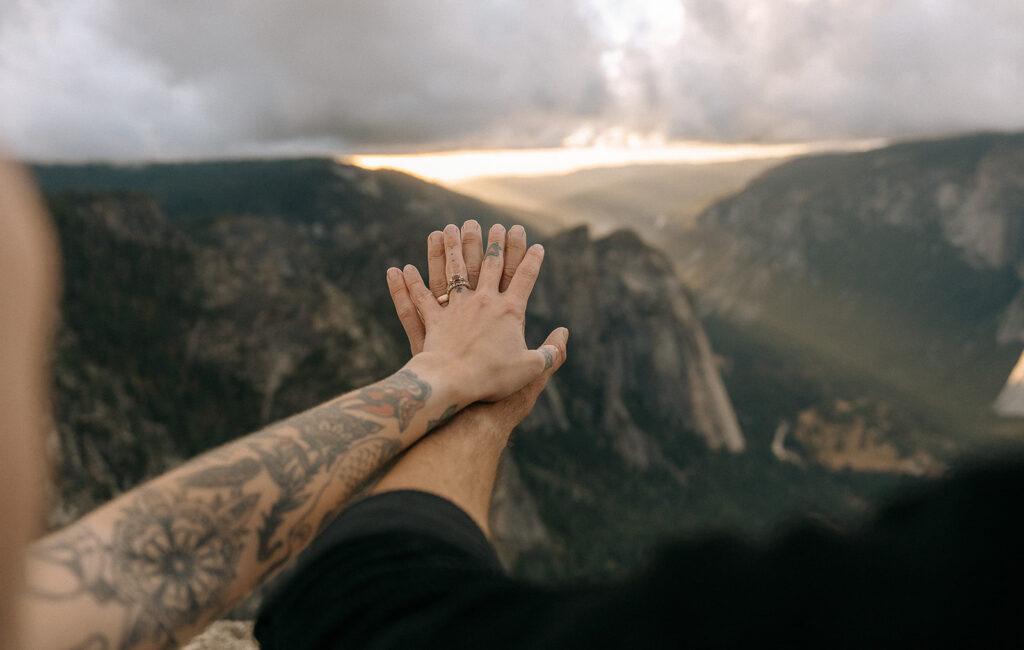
(455, 166)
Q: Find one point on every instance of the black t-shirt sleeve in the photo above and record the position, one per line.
(410, 570)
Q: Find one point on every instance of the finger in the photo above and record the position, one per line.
(425, 301)
(455, 266)
(472, 250)
(494, 258)
(526, 275)
(515, 250)
(534, 364)
(435, 263)
(407, 313)
(558, 340)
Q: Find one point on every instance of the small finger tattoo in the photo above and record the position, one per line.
(493, 250)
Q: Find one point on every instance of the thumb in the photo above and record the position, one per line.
(553, 350)
(550, 356)
(538, 363)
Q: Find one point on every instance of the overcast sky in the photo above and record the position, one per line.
(137, 79)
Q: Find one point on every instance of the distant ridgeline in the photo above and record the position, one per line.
(205, 300)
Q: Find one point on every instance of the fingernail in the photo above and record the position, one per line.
(393, 272)
(517, 229)
(451, 229)
(435, 236)
(497, 229)
(409, 268)
(540, 249)
(565, 333)
(469, 223)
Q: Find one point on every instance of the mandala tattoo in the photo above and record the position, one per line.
(168, 562)
(173, 553)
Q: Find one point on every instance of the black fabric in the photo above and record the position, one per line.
(407, 570)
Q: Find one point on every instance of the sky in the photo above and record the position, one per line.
(134, 80)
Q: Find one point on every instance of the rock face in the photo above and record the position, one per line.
(893, 275)
(643, 352)
(959, 196)
(204, 301)
(1010, 402)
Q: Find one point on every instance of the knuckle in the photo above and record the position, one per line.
(528, 271)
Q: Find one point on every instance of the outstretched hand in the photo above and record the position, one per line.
(479, 331)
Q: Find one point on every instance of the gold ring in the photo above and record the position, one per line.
(456, 282)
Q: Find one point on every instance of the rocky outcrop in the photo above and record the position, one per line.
(515, 520)
(1010, 402)
(639, 348)
(856, 435)
(225, 635)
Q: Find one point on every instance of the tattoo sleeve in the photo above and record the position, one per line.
(176, 553)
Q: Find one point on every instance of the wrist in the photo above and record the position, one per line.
(446, 387)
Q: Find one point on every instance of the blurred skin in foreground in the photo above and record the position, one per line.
(156, 565)
(28, 307)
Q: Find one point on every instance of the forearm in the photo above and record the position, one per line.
(156, 565)
(458, 462)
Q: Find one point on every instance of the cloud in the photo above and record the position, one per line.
(136, 79)
(777, 70)
(240, 75)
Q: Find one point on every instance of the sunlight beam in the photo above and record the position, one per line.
(453, 166)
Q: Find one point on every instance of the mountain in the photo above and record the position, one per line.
(885, 289)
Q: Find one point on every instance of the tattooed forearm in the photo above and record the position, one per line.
(400, 396)
(178, 552)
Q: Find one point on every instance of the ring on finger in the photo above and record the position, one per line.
(456, 282)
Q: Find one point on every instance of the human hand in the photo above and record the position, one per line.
(506, 414)
(478, 334)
